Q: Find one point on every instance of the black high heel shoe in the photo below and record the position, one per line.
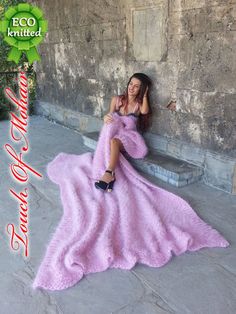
(104, 185)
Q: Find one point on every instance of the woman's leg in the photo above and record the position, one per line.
(116, 146)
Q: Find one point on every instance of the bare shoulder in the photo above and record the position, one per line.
(113, 98)
(113, 104)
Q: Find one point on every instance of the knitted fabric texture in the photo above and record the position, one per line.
(138, 222)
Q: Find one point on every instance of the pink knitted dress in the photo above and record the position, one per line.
(138, 222)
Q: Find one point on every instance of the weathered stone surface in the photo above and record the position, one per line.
(186, 47)
(147, 25)
(156, 142)
(219, 171)
(234, 181)
(68, 117)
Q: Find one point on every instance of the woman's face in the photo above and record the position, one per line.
(134, 87)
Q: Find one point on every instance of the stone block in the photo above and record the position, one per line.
(172, 58)
(219, 171)
(212, 62)
(187, 20)
(219, 184)
(229, 108)
(177, 183)
(42, 108)
(71, 118)
(193, 4)
(174, 148)
(58, 113)
(99, 11)
(107, 31)
(162, 177)
(77, 34)
(216, 19)
(195, 179)
(148, 33)
(234, 181)
(112, 47)
(52, 36)
(176, 27)
(164, 124)
(89, 125)
(89, 142)
(186, 52)
(155, 141)
(175, 5)
(193, 154)
(202, 20)
(76, 120)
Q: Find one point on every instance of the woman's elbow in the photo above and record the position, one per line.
(144, 112)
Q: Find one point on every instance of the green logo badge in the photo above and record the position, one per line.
(24, 28)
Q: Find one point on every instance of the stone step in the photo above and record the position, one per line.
(171, 170)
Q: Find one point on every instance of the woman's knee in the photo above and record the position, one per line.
(116, 141)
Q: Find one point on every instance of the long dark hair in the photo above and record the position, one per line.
(144, 120)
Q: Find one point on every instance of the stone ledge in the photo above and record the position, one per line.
(68, 117)
(171, 170)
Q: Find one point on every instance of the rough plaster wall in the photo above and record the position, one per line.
(206, 83)
(91, 50)
(81, 34)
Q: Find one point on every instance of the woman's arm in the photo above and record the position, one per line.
(108, 117)
(113, 104)
(144, 108)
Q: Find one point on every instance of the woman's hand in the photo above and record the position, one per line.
(146, 91)
(107, 118)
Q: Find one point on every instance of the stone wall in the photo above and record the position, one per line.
(186, 46)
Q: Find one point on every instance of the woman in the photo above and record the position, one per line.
(133, 102)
